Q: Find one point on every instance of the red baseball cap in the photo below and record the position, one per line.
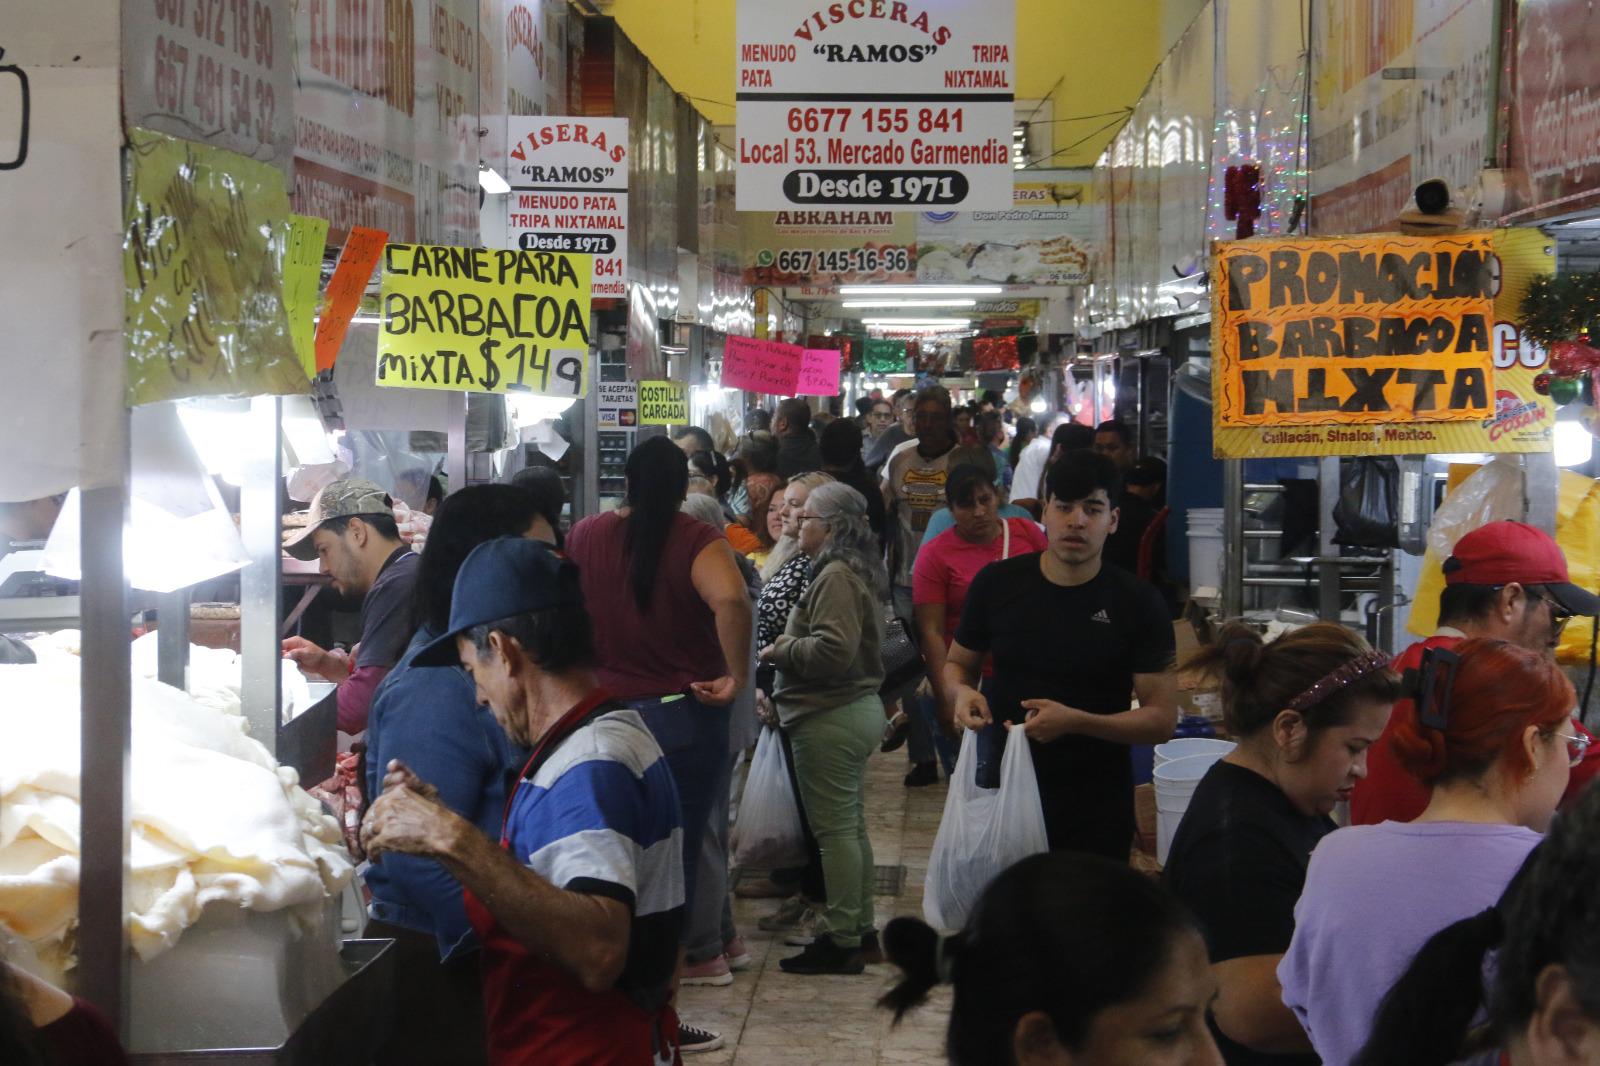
(1504, 552)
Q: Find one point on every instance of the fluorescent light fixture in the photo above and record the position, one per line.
(891, 303)
(491, 181)
(1574, 444)
(920, 290)
(1038, 406)
(529, 409)
(891, 322)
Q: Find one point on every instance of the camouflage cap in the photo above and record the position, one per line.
(341, 499)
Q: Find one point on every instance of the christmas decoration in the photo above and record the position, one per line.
(1561, 313)
(1563, 391)
(1569, 359)
(1561, 308)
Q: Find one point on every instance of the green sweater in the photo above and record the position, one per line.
(831, 653)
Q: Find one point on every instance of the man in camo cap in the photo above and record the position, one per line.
(351, 530)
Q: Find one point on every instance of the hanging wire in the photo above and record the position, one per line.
(1121, 117)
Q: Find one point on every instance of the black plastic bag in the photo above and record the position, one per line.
(1367, 514)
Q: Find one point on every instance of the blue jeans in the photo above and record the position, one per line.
(694, 739)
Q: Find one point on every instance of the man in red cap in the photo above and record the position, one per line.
(1507, 581)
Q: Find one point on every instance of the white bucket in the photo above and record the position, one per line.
(1205, 547)
(1175, 783)
(1184, 747)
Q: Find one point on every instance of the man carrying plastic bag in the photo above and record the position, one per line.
(1073, 637)
(982, 832)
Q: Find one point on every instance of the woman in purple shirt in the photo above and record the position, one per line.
(1491, 732)
(1544, 1004)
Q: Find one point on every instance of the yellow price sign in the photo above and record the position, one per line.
(484, 320)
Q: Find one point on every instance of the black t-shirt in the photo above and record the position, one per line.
(1078, 645)
(1133, 518)
(386, 625)
(1239, 862)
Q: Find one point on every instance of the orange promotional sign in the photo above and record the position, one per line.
(1353, 331)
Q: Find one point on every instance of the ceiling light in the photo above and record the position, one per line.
(920, 290)
(911, 303)
(916, 323)
(491, 181)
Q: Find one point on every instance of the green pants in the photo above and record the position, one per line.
(830, 761)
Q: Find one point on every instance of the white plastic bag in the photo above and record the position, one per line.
(983, 831)
(768, 835)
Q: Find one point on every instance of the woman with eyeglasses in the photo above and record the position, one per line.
(1490, 730)
(830, 665)
(1544, 1002)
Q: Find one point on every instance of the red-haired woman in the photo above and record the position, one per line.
(1491, 732)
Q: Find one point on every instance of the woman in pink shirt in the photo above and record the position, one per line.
(944, 571)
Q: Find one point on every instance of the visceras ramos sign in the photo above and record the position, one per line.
(569, 191)
(905, 106)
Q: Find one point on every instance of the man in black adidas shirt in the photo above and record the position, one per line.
(1072, 639)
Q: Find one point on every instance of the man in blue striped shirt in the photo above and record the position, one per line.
(580, 906)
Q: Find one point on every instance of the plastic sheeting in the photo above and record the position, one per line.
(207, 232)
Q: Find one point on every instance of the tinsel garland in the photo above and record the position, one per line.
(1561, 308)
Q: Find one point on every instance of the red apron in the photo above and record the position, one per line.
(538, 1012)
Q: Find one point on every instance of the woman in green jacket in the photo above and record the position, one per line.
(830, 666)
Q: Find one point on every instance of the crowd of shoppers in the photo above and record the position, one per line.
(549, 760)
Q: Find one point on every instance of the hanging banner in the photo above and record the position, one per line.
(906, 107)
(1555, 127)
(1422, 389)
(761, 366)
(203, 260)
(1048, 236)
(205, 71)
(61, 284)
(569, 192)
(617, 404)
(663, 403)
(819, 373)
(829, 247)
(482, 320)
(1402, 91)
(386, 116)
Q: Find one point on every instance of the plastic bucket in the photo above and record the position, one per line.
(1185, 747)
(1175, 783)
(1205, 547)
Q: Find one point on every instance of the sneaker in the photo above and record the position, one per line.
(693, 1040)
(714, 972)
(871, 948)
(825, 957)
(807, 929)
(737, 954)
(924, 773)
(895, 732)
(762, 888)
(787, 918)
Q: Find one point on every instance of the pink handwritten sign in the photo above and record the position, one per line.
(819, 373)
(761, 366)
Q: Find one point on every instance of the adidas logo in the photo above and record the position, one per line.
(1100, 616)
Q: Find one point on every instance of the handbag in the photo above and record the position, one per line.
(902, 661)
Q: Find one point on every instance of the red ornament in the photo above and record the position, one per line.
(1571, 358)
(1541, 384)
